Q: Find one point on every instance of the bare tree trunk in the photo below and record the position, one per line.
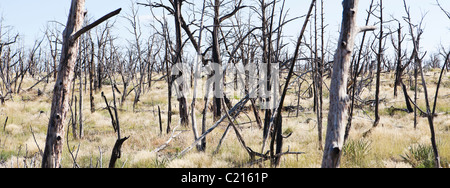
(418, 67)
(356, 72)
(217, 105)
(62, 90)
(81, 102)
(219, 78)
(196, 74)
(182, 99)
(338, 89)
(91, 78)
(415, 91)
(408, 103)
(169, 80)
(100, 68)
(55, 71)
(379, 57)
(266, 60)
(398, 72)
(318, 76)
(278, 118)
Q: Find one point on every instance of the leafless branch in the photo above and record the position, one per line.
(443, 10)
(96, 23)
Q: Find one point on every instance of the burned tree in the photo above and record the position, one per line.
(379, 59)
(216, 54)
(6, 86)
(175, 10)
(62, 89)
(60, 102)
(277, 123)
(338, 89)
(430, 112)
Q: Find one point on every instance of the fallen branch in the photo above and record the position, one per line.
(34, 138)
(45, 77)
(239, 136)
(234, 109)
(162, 147)
(276, 123)
(266, 157)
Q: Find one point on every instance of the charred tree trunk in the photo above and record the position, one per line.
(265, 60)
(100, 67)
(217, 105)
(278, 118)
(181, 99)
(319, 75)
(81, 102)
(408, 103)
(91, 79)
(398, 72)
(379, 59)
(169, 95)
(418, 67)
(116, 151)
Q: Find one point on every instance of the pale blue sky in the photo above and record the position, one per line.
(29, 17)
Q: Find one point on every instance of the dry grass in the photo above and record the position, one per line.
(383, 148)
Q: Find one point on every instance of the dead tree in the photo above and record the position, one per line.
(175, 10)
(399, 69)
(357, 70)
(216, 55)
(266, 59)
(166, 63)
(319, 75)
(62, 89)
(277, 116)
(180, 23)
(178, 60)
(5, 60)
(55, 132)
(379, 59)
(31, 63)
(196, 73)
(102, 34)
(135, 30)
(91, 69)
(338, 89)
(408, 103)
(116, 151)
(430, 112)
(53, 36)
(443, 10)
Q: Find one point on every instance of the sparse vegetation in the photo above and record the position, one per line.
(134, 86)
(356, 151)
(387, 145)
(420, 156)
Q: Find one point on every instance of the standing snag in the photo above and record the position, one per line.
(62, 90)
(338, 89)
(245, 77)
